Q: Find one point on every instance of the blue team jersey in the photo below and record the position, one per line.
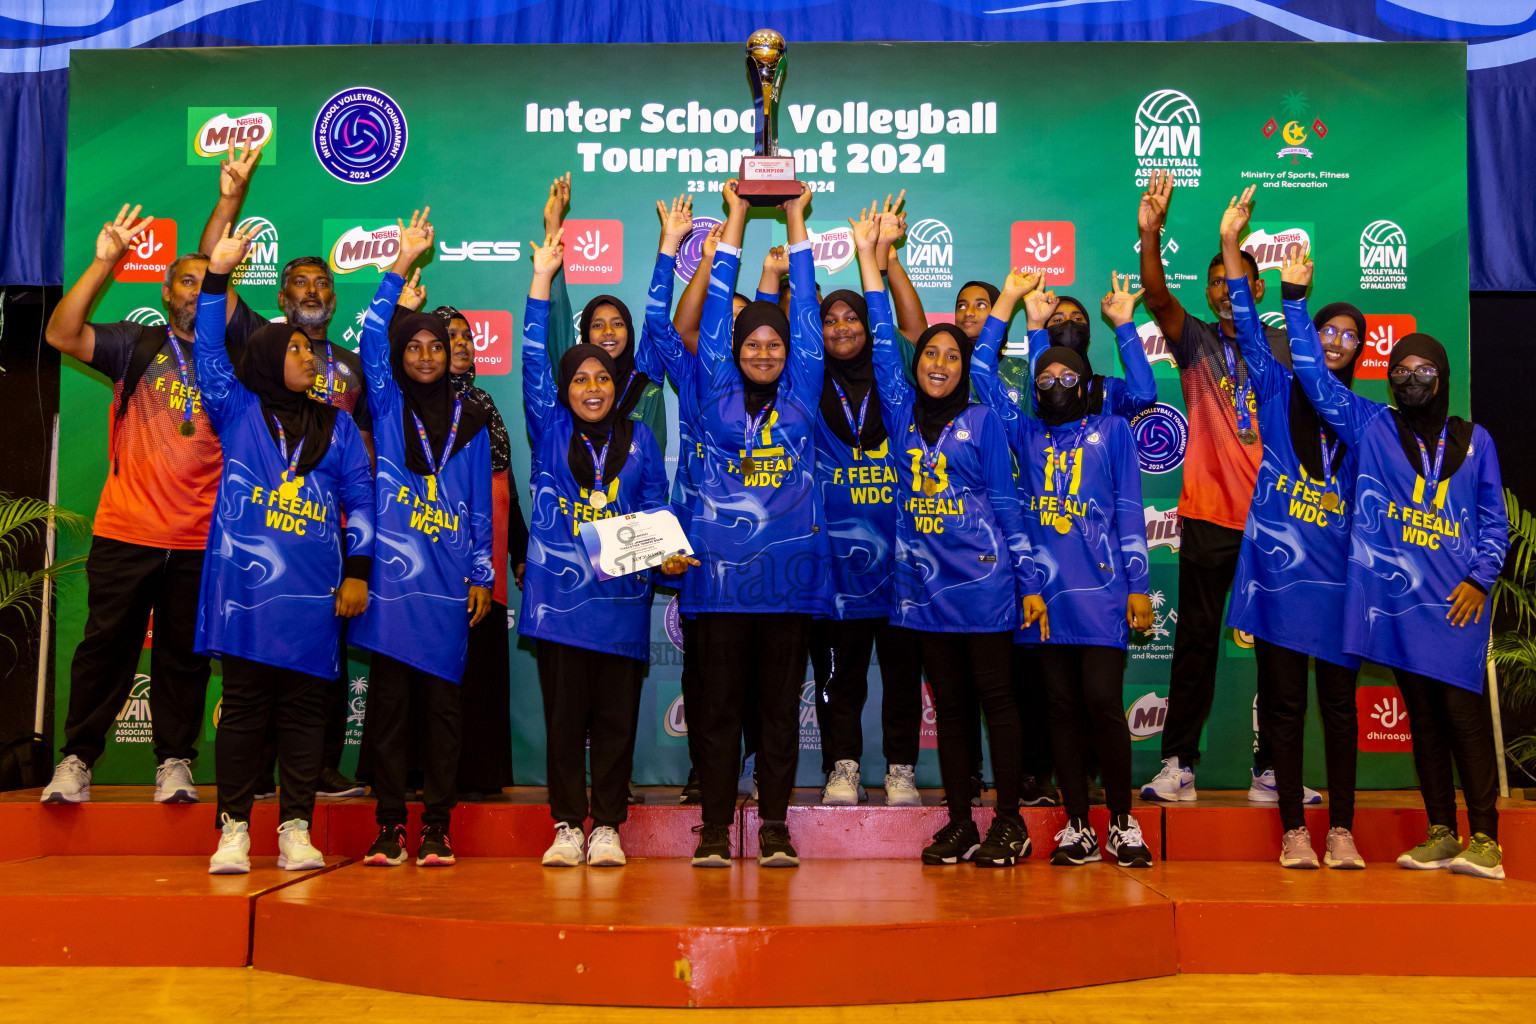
(1121, 397)
(275, 559)
(1289, 585)
(859, 491)
(963, 561)
(1080, 484)
(563, 600)
(434, 535)
(1410, 545)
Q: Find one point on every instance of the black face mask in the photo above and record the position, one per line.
(1059, 399)
(1411, 394)
(1072, 334)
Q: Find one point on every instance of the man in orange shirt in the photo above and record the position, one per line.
(151, 524)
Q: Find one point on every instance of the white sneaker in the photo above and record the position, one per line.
(1262, 789)
(603, 849)
(294, 850)
(565, 851)
(1173, 784)
(901, 787)
(173, 782)
(71, 783)
(233, 857)
(842, 788)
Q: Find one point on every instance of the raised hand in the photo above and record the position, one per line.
(1153, 212)
(547, 257)
(1234, 219)
(558, 204)
(798, 204)
(711, 241)
(415, 237)
(1119, 303)
(1039, 305)
(866, 230)
(776, 263)
(676, 222)
(1298, 270)
(413, 295)
(893, 222)
(235, 175)
(1019, 284)
(120, 233)
(734, 204)
(229, 251)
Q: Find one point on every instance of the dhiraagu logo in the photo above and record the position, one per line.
(214, 133)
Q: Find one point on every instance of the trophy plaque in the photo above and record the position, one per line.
(767, 178)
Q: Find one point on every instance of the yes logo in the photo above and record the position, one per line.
(149, 255)
(594, 251)
(493, 340)
(214, 133)
(1045, 246)
(1383, 720)
(1382, 331)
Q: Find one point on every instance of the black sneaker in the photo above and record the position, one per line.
(953, 843)
(774, 849)
(714, 849)
(388, 850)
(692, 794)
(636, 795)
(1032, 794)
(335, 784)
(1007, 843)
(435, 851)
(1126, 844)
(1076, 844)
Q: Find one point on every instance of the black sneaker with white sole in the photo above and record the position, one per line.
(388, 850)
(714, 849)
(335, 785)
(1007, 843)
(1125, 843)
(691, 794)
(774, 849)
(1076, 844)
(436, 850)
(953, 843)
(1033, 794)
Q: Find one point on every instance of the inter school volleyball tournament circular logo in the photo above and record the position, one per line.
(691, 253)
(673, 621)
(1162, 433)
(360, 135)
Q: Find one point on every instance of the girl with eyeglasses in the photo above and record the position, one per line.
(1288, 592)
(1428, 539)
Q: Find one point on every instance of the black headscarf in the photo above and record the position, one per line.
(613, 429)
(1056, 406)
(930, 414)
(1305, 423)
(1424, 421)
(992, 294)
(755, 315)
(464, 386)
(1074, 334)
(304, 419)
(629, 392)
(856, 376)
(431, 403)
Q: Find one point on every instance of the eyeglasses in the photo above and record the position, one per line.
(1068, 380)
(1422, 374)
(1346, 337)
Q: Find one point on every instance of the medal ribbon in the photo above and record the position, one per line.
(186, 378)
(426, 448)
(857, 425)
(930, 457)
(759, 421)
(1328, 455)
(292, 472)
(599, 460)
(1429, 482)
(1240, 395)
(330, 374)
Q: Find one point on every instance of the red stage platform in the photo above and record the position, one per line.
(122, 881)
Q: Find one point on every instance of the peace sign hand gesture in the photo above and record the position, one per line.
(1234, 219)
(1153, 212)
(118, 235)
(1119, 303)
(1297, 270)
(235, 175)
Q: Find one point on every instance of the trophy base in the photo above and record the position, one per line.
(767, 180)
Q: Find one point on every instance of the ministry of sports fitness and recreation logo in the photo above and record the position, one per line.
(929, 254)
(360, 135)
(261, 263)
(146, 315)
(214, 133)
(358, 245)
(1295, 110)
(691, 253)
(1147, 715)
(1383, 257)
(1157, 643)
(1161, 433)
(1167, 135)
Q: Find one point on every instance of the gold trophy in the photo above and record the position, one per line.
(766, 178)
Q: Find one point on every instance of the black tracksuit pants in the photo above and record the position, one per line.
(254, 695)
(1449, 723)
(1085, 684)
(1283, 707)
(390, 690)
(589, 695)
(962, 669)
(841, 663)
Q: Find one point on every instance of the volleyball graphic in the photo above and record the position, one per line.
(360, 135)
(1382, 232)
(1161, 434)
(1166, 106)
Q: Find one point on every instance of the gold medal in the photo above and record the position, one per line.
(288, 490)
(747, 465)
(930, 487)
(187, 428)
(1248, 435)
(1063, 525)
(598, 500)
(1330, 502)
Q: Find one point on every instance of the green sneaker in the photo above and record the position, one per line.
(1437, 851)
(1483, 857)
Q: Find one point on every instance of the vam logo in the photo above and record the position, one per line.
(146, 315)
(810, 729)
(149, 255)
(1046, 247)
(674, 722)
(261, 264)
(929, 254)
(1270, 249)
(1167, 135)
(358, 247)
(1382, 331)
(134, 722)
(1164, 527)
(1383, 257)
(214, 133)
(594, 251)
(1146, 716)
(493, 339)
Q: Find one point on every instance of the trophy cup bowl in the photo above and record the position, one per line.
(766, 178)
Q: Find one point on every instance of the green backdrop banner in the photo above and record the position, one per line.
(1011, 154)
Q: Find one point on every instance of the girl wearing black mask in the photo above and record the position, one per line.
(1428, 539)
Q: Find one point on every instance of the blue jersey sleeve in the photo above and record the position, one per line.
(373, 346)
(890, 382)
(715, 323)
(662, 345)
(1130, 517)
(222, 395)
(1492, 515)
(1035, 342)
(541, 398)
(772, 297)
(803, 371)
(1003, 493)
(1266, 375)
(358, 497)
(483, 569)
(1343, 410)
(989, 386)
(1139, 389)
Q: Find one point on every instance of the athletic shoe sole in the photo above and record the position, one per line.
(1465, 867)
(1067, 860)
(778, 860)
(1303, 865)
(1408, 862)
(383, 860)
(610, 860)
(230, 869)
(561, 861)
(354, 791)
(1263, 796)
(839, 799)
(303, 865)
(967, 855)
(178, 796)
(714, 860)
(1182, 796)
(907, 798)
(996, 862)
(1344, 865)
(432, 860)
(60, 798)
(1140, 859)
